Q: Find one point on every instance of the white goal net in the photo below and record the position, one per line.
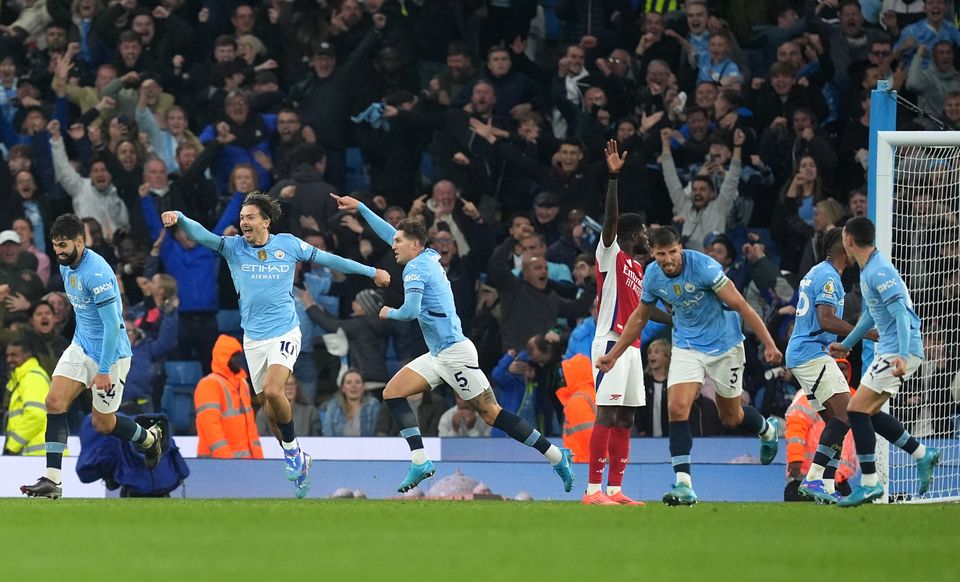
(918, 205)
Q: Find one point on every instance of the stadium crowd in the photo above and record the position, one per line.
(487, 121)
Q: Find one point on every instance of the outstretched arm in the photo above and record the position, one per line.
(379, 225)
(193, 229)
(341, 264)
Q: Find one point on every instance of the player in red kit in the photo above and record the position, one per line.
(619, 391)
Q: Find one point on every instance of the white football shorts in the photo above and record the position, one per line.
(623, 384)
(77, 365)
(820, 379)
(458, 366)
(261, 354)
(726, 369)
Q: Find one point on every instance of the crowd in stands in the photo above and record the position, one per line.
(485, 120)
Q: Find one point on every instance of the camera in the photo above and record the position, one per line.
(773, 373)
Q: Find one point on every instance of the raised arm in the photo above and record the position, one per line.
(380, 226)
(730, 187)
(670, 177)
(64, 173)
(611, 211)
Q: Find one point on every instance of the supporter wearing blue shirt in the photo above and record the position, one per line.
(929, 31)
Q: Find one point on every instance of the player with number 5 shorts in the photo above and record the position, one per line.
(452, 358)
(263, 266)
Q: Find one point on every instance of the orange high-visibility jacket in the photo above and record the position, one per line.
(226, 427)
(804, 426)
(579, 399)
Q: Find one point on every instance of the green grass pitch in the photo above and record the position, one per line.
(267, 540)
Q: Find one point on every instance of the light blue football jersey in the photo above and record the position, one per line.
(820, 286)
(90, 286)
(881, 285)
(263, 277)
(438, 313)
(424, 274)
(701, 321)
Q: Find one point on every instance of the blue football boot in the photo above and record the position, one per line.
(680, 494)
(816, 490)
(565, 469)
(768, 449)
(860, 495)
(925, 467)
(416, 474)
(302, 483)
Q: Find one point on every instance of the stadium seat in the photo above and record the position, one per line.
(183, 372)
(177, 404)
(355, 161)
(357, 183)
(426, 166)
(228, 321)
(177, 399)
(391, 360)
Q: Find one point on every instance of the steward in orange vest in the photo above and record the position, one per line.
(226, 427)
(579, 406)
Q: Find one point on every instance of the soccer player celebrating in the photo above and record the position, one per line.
(452, 357)
(818, 322)
(619, 391)
(262, 266)
(706, 341)
(899, 354)
(97, 358)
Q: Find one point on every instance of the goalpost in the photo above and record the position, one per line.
(915, 203)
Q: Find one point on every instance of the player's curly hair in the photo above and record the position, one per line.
(269, 208)
(66, 227)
